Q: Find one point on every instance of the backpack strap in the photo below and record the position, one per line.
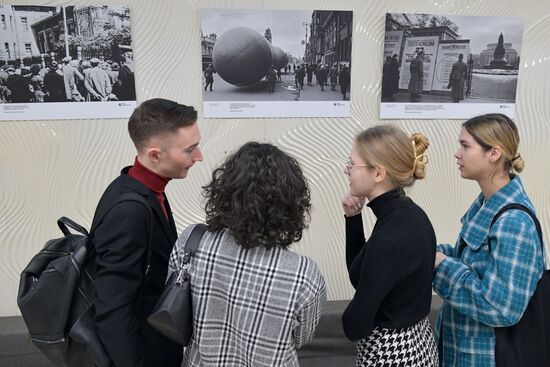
(65, 222)
(526, 210)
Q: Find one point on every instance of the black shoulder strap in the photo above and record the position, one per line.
(65, 222)
(193, 242)
(528, 211)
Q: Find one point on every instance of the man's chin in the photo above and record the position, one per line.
(183, 174)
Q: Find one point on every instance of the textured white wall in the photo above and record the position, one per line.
(54, 168)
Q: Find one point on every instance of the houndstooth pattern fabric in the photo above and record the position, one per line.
(408, 347)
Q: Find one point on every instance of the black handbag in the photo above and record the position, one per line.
(173, 313)
(527, 343)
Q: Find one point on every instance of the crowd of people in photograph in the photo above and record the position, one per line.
(324, 75)
(69, 81)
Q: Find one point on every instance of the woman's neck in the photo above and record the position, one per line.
(492, 184)
(380, 189)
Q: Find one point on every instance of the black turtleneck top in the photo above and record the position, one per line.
(392, 271)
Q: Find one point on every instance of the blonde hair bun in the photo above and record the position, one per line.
(518, 163)
(420, 145)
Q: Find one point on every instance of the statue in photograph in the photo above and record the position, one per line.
(457, 79)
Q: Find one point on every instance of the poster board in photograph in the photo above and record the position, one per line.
(392, 43)
(429, 46)
(447, 55)
(484, 81)
(267, 63)
(87, 73)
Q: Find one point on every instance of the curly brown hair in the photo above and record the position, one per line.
(260, 195)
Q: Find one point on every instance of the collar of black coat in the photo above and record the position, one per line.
(135, 185)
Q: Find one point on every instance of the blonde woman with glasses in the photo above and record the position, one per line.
(392, 270)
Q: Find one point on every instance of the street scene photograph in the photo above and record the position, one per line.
(65, 57)
(439, 66)
(276, 63)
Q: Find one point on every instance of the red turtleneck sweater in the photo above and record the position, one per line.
(152, 180)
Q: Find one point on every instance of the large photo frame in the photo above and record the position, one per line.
(438, 66)
(276, 63)
(61, 62)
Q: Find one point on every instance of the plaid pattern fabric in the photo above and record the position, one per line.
(251, 307)
(481, 290)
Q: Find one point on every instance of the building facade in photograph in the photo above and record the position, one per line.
(487, 55)
(84, 24)
(17, 40)
(207, 45)
(330, 37)
(48, 31)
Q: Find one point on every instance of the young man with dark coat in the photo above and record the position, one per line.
(166, 137)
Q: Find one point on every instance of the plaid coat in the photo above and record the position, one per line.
(484, 290)
(251, 307)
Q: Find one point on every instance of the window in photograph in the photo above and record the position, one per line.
(25, 23)
(3, 21)
(7, 48)
(28, 48)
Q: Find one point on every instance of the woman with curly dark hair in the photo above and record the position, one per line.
(254, 301)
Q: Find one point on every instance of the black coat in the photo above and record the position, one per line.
(54, 87)
(122, 304)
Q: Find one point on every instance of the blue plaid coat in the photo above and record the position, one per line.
(483, 290)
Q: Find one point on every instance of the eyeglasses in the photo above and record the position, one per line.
(350, 165)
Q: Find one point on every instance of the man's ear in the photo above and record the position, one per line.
(154, 153)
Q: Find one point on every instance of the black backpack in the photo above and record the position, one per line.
(527, 343)
(56, 295)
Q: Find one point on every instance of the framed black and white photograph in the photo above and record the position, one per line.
(60, 62)
(443, 66)
(276, 63)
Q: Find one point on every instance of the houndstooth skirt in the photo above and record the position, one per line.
(413, 346)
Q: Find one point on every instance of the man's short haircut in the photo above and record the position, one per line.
(156, 117)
